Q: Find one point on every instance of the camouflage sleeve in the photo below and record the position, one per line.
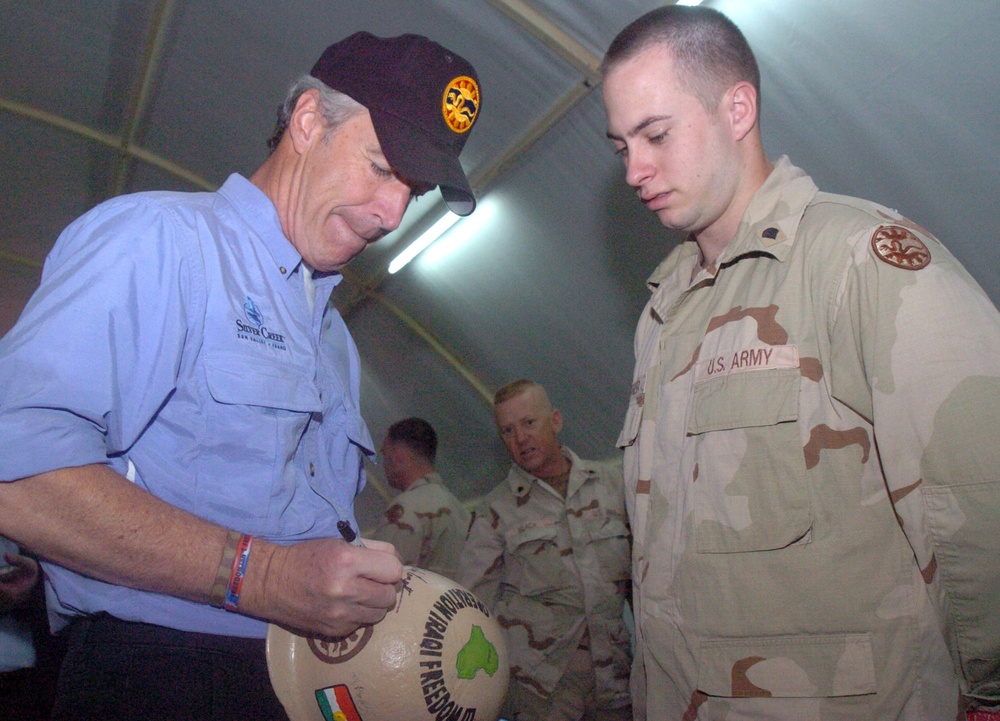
(481, 566)
(924, 340)
(404, 530)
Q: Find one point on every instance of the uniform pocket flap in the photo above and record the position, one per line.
(815, 666)
(613, 527)
(236, 382)
(533, 533)
(746, 400)
(633, 417)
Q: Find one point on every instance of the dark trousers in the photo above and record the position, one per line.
(116, 670)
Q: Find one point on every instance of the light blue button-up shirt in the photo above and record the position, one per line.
(171, 339)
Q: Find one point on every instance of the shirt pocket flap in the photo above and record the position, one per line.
(746, 400)
(633, 418)
(611, 527)
(534, 533)
(814, 666)
(234, 381)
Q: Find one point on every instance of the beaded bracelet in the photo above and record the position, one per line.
(239, 569)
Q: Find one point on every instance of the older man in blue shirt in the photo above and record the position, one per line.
(179, 409)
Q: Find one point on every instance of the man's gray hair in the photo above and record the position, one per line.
(335, 106)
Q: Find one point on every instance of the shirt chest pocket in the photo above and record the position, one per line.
(750, 489)
(253, 420)
(609, 544)
(537, 565)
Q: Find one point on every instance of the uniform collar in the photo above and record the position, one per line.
(520, 481)
(768, 225)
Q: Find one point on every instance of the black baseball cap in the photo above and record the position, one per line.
(423, 100)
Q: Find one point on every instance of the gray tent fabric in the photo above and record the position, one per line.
(892, 100)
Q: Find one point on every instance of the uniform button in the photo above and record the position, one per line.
(282, 269)
(312, 470)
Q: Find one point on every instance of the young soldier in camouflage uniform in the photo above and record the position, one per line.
(548, 551)
(425, 522)
(811, 444)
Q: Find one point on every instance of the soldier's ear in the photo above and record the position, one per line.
(556, 420)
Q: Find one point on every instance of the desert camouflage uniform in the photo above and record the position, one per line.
(555, 570)
(427, 524)
(812, 465)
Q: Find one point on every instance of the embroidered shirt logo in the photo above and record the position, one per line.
(255, 330)
(898, 246)
(460, 104)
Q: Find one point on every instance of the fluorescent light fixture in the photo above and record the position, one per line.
(689, 2)
(470, 228)
(429, 236)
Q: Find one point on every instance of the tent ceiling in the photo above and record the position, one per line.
(889, 99)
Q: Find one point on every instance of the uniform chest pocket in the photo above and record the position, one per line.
(609, 543)
(537, 564)
(751, 491)
(253, 419)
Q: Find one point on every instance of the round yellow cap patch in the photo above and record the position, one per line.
(460, 104)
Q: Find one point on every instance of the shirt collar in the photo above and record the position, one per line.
(520, 481)
(256, 210)
(768, 225)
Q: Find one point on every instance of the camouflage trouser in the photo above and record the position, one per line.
(571, 700)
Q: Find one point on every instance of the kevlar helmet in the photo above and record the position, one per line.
(439, 654)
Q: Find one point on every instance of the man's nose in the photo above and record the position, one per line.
(392, 202)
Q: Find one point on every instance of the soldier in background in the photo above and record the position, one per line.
(811, 461)
(425, 522)
(548, 552)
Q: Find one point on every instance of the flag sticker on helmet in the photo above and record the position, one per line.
(336, 704)
(460, 104)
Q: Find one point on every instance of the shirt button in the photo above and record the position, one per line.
(312, 470)
(282, 269)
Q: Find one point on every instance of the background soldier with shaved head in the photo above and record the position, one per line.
(425, 522)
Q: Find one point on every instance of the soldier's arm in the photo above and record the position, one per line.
(927, 343)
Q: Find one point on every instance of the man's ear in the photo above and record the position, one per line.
(306, 125)
(556, 420)
(742, 107)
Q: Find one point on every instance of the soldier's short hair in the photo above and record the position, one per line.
(512, 389)
(711, 54)
(417, 434)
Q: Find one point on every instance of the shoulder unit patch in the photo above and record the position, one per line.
(900, 247)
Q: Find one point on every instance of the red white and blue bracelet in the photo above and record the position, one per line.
(232, 568)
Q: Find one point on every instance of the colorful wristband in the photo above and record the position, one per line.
(239, 569)
(217, 597)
